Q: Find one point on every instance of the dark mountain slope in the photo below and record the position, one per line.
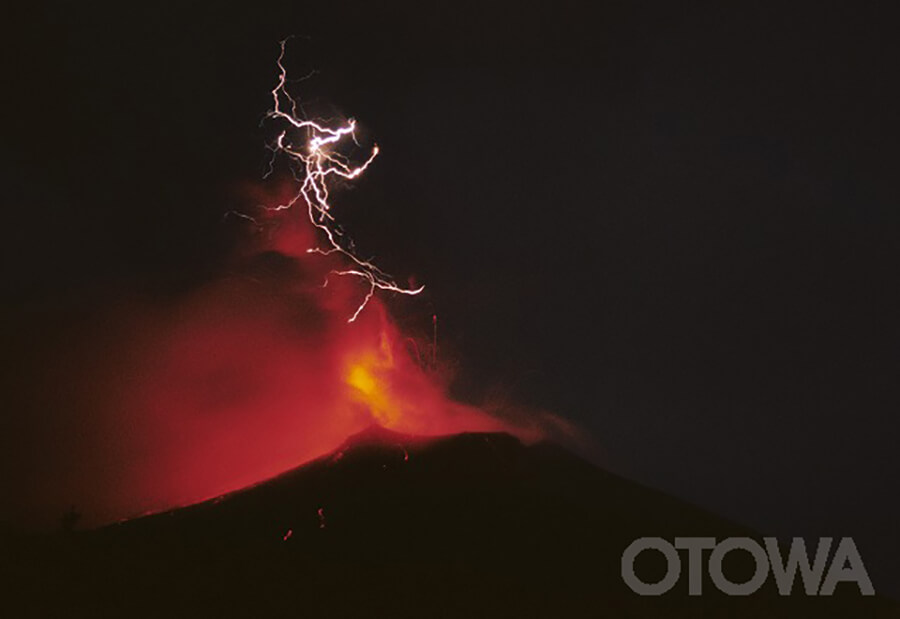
(472, 525)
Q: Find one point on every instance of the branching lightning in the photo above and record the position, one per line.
(314, 160)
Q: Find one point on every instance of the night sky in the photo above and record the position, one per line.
(674, 227)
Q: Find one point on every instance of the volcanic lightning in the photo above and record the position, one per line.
(314, 160)
(254, 370)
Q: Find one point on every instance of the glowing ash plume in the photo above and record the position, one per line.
(313, 150)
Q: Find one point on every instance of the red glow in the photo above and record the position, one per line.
(313, 147)
(253, 374)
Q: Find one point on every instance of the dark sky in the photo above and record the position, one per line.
(676, 227)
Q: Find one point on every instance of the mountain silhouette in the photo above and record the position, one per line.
(390, 525)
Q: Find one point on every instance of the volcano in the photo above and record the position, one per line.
(393, 525)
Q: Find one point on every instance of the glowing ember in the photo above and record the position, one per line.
(317, 157)
(365, 375)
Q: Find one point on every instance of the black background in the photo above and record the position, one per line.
(673, 226)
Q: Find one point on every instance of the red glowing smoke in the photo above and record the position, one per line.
(167, 403)
(252, 374)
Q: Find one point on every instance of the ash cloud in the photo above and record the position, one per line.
(151, 404)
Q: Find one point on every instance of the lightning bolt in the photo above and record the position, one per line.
(315, 161)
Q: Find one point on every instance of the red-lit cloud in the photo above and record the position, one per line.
(251, 374)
